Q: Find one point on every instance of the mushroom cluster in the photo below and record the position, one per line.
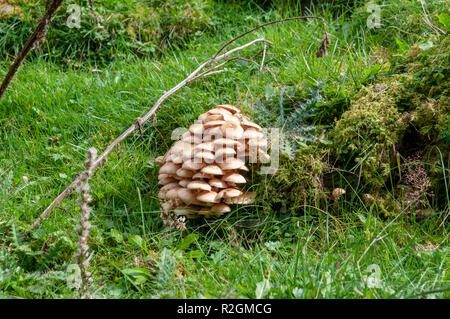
(202, 172)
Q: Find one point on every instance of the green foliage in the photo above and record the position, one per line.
(137, 27)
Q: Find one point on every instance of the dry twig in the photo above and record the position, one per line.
(82, 255)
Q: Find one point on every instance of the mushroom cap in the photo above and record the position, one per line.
(214, 123)
(206, 146)
(212, 134)
(252, 133)
(186, 195)
(202, 117)
(231, 163)
(213, 117)
(180, 147)
(203, 155)
(200, 175)
(231, 118)
(161, 176)
(338, 192)
(185, 173)
(243, 199)
(162, 194)
(220, 209)
(208, 197)
(173, 193)
(169, 168)
(196, 128)
(166, 180)
(229, 193)
(188, 137)
(231, 130)
(233, 109)
(159, 160)
(177, 159)
(227, 151)
(212, 169)
(169, 186)
(235, 178)
(200, 185)
(184, 182)
(226, 142)
(220, 111)
(246, 123)
(244, 168)
(190, 164)
(215, 182)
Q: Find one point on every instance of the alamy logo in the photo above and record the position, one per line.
(74, 19)
(373, 21)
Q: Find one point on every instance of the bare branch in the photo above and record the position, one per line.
(51, 7)
(266, 24)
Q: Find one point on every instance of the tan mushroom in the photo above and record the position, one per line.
(213, 117)
(196, 129)
(186, 195)
(224, 152)
(231, 163)
(207, 146)
(247, 124)
(231, 130)
(206, 156)
(214, 123)
(219, 111)
(229, 193)
(173, 193)
(199, 185)
(189, 164)
(233, 109)
(208, 197)
(169, 168)
(166, 180)
(219, 143)
(235, 178)
(159, 160)
(184, 182)
(243, 199)
(185, 173)
(220, 209)
(252, 133)
(212, 170)
(338, 192)
(218, 183)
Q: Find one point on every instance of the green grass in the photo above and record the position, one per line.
(52, 113)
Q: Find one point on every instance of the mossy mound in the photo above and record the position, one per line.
(393, 141)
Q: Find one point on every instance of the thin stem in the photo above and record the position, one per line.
(51, 8)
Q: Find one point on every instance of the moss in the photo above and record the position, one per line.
(296, 182)
(400, 120)
(369, 131)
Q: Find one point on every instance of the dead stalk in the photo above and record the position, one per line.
(38, 35)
